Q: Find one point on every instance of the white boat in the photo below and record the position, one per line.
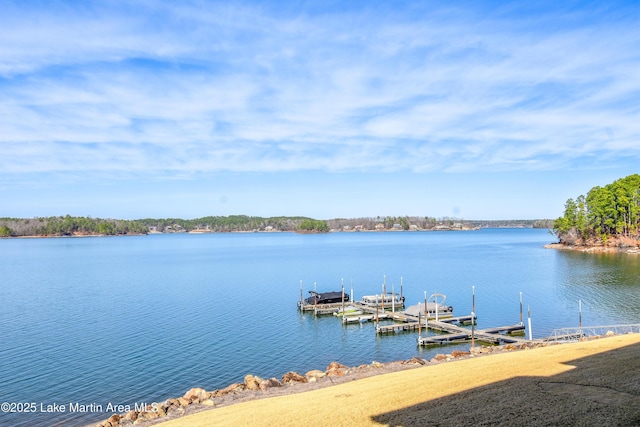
(389, 301)
(436, 308)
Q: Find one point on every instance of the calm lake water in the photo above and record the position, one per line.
(129, 320)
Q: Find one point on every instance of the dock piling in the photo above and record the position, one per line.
(473, 314)
(393, 300)
(342, 297)
(315, 298)
(520, 307)
(580, 309)
(352, 291)
(301, 300)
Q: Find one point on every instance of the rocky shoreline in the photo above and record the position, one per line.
(253, 387)
(594, 248)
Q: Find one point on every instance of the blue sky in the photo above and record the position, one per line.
(476, 110)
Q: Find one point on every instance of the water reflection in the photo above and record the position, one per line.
(607, 283)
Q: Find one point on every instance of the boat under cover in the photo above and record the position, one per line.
(326, 297)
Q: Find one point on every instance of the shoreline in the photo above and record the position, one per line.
(197, 402)
(592, 248)
(199, 232)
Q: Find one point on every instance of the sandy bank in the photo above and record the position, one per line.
(586, 383)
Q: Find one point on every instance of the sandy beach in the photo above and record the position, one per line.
(593, 382)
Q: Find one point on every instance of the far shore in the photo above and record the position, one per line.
(199, 231)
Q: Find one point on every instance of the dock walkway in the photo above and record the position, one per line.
(450, 328)
(410, 323)
(453, 333)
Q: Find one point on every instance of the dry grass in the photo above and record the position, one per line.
(587, 383)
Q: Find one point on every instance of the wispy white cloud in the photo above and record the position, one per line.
(200, 87)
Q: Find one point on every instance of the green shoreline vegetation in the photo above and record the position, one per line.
(608, 216)
(61, 226)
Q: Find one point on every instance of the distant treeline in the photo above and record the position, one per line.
(69, 226)
(79, 226)
(431, 223)
(73, 226)
(606, 212)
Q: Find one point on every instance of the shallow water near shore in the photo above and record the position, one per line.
(133, 320)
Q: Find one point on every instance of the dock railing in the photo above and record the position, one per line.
(575, 334)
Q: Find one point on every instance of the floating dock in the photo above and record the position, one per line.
(453, 333)
(449, 328)
(410, 323)
(363, 317)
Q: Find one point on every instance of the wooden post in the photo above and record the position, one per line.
(419, 327)
(435, 298)
(401, 288)
(529, 316)
(315, 299)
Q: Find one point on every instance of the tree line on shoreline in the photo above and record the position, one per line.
(605, 214)
(88, 226)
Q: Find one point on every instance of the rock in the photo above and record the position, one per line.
(208, 402)
(169, 403)
(335, 365)
(415, 361)
(160, 411)
(476, 350)
(252, 382)
(439, 357)
(294, 377)
(459, 353)
(609, 334)
(184, 401)
(149, 415)
(375, 364)
(131, 416)
(315, 374)
(178, 410)
(231, 389)
(197, 394)
(270, 383)
(336, 369)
